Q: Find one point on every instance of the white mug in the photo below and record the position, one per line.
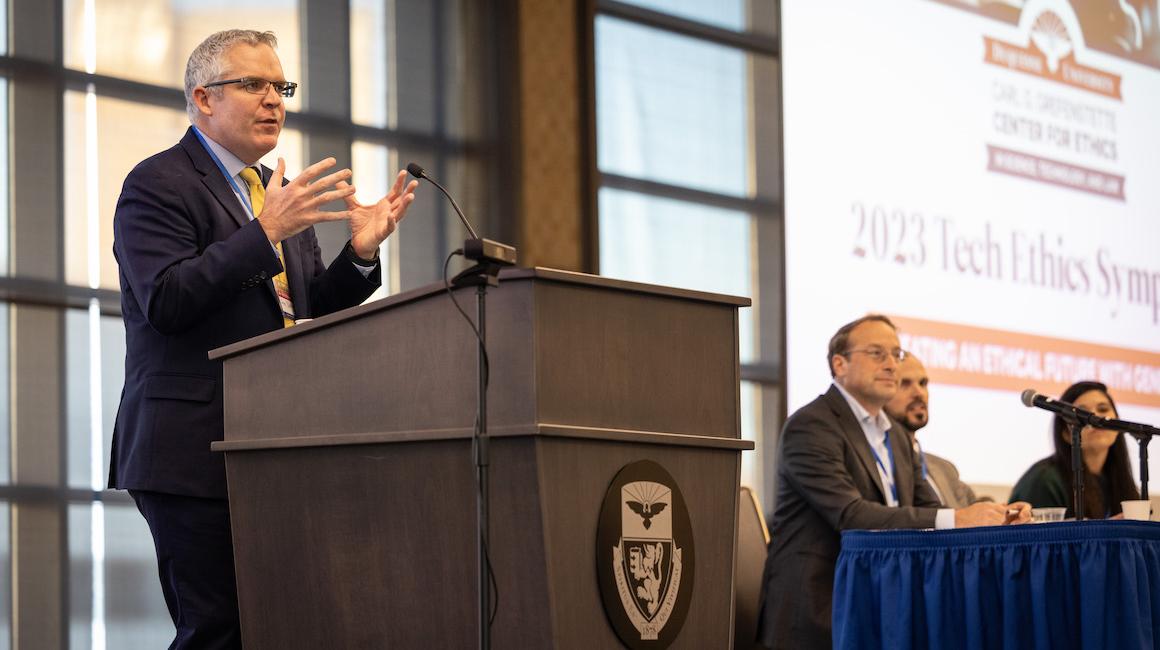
(1140, 509)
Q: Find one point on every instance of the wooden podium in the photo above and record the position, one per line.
(352, 486)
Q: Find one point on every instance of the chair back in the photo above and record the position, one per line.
(752, 545)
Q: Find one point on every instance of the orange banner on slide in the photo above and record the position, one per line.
(1001, 360)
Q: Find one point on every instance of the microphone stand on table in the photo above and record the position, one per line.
(1143, 440)
(1143, 434)
(1077, 418)
(1076, 425)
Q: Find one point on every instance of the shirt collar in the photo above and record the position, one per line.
(881, 423)
(232, 163)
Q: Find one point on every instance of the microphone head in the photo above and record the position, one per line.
(415, 170)
(1028, 397)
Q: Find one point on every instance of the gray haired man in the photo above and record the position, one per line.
(214, 248)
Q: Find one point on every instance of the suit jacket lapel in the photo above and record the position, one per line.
(941, 479)
(854, 434)
(212, 177)
(216, 183)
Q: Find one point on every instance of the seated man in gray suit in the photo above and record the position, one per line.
(909, 409)
(842, 464)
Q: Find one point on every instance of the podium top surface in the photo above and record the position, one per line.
(507, 275)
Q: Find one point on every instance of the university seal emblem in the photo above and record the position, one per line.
(644, 556)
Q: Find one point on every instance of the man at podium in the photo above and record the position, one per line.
(213, 248)
(842, 464)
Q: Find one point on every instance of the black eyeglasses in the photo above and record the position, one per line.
(258, 86)
(878, 355)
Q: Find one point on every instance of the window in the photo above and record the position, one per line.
(95, 92)
(4, 203)
(687, 157)
(150, 40)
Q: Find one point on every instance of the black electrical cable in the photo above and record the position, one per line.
(494, 587)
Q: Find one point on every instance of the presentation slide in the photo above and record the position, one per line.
(987, 174)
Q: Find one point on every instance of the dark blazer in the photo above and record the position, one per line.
(195, 275)
(827, 481)
(945, 475)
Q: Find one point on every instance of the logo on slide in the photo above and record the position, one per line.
(1049, 35)
(1033, 142)
(644, 556)
(1054, 38)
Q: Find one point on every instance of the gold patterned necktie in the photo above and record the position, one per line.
(281, 284)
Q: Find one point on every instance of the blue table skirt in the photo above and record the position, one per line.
(1088, 584)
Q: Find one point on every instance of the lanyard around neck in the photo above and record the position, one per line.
(921, 458)
(888, 476)
(245, 196)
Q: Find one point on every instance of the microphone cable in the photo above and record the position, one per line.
(493, 587)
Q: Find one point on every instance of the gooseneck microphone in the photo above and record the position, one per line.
(476, 248)
(418, 172)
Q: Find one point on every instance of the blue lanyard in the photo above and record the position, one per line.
(237, 190)
(886, 472)
(922, 459)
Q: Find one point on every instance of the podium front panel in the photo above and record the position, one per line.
(373, 545)
(352, 486)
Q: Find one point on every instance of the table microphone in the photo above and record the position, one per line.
(1032, 399)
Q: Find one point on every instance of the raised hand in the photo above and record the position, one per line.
(292, 208)
(371, 224)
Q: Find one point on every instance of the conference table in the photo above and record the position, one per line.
(1085, 584)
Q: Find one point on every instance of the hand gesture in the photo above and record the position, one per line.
(371, 224)
(1018, 512)
(292, 208)
(983, 514)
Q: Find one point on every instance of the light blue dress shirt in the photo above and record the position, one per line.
(875, 429)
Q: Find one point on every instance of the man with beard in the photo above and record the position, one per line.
(909, 409)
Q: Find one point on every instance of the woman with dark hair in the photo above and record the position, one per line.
(1107, 472)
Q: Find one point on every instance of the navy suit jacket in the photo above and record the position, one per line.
(827, 482)
(196, 275)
